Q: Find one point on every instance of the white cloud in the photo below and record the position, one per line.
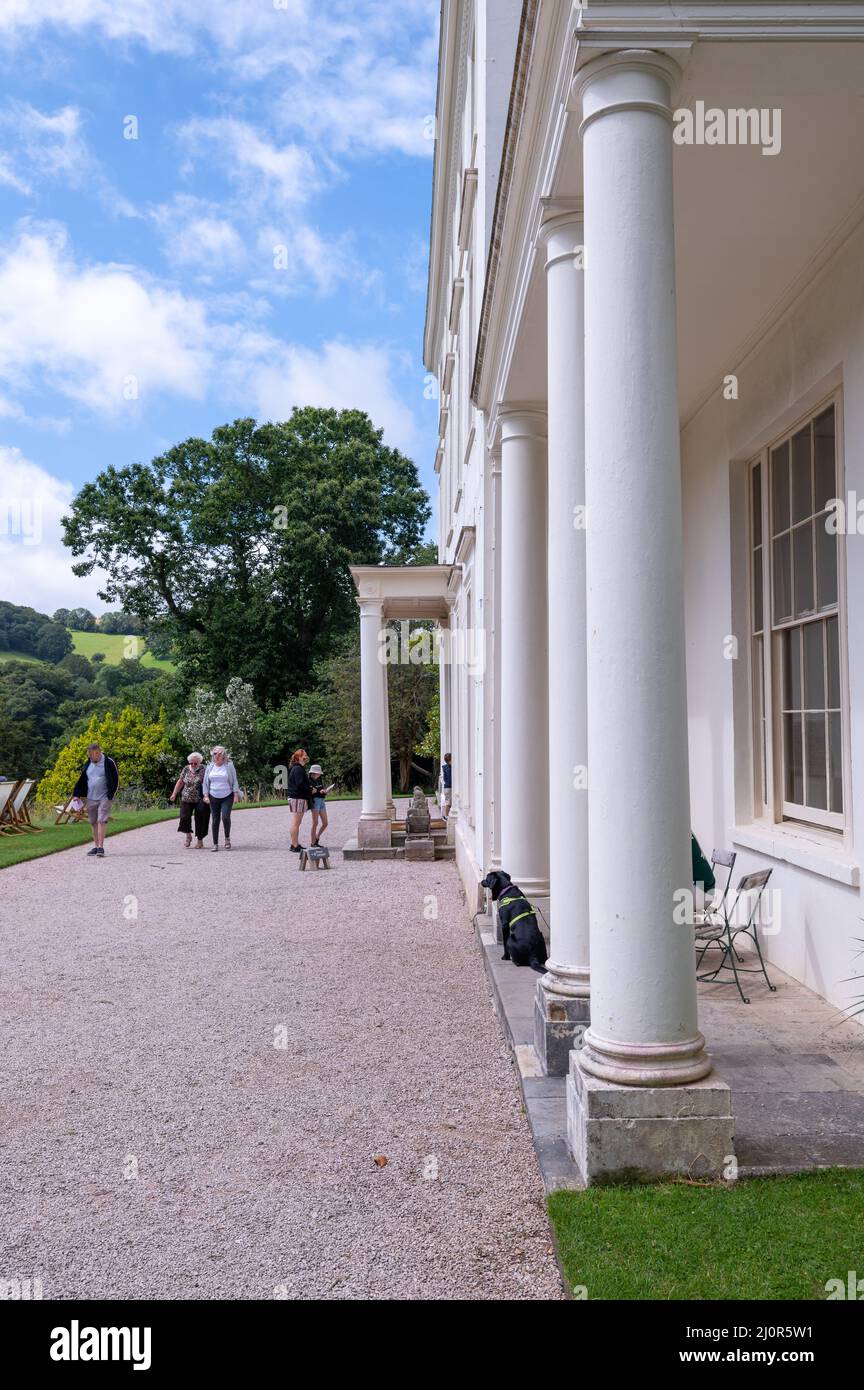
(344, 375)
(33, 559)
(196, 233)
(100, 334)
(47, 147)
(359, 74)
(285, 175)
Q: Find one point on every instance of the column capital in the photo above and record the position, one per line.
(370, 607)
(629, 79)
(521, 420)
(562, 230)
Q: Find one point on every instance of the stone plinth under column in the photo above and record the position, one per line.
(559, 1022)
(620, 1134)
(374, 832)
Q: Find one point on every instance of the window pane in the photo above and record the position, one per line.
(793, 758)
(756, 503)
(780, 488)
(826, 565)
(757, 590)
(759, 719)
(817, 786)
(802, 487)
(792, 668)
(835, 754)
(824, 458)
(814, 669)
(802, 550)
(782, 578)
(832, 638)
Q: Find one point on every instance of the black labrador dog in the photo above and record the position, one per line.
(523, 940)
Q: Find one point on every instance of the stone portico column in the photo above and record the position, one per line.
(642, 1099)
(373, 829)
(524, 651)
(388, 760)
(561, 1009)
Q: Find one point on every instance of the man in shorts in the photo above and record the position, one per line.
(98, 784)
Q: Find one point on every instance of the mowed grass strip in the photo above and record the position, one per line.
(113, 647)
(16, 848)
(762, 1238)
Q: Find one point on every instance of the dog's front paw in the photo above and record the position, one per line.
(505, 956)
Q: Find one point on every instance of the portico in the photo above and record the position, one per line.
(386, 594)
(603, 283)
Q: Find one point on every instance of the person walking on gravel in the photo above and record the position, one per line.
(97, 784)
(220, 789)
(190, 784)
(300, 793)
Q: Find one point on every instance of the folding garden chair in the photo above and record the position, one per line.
(7, 796)
(719, 930)
(20, 808)
(68, 814)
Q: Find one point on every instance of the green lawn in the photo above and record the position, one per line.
(763, 1238)
(112, 645)
(20, 656)
(14, 849)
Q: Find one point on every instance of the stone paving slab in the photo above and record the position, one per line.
(794, 1064)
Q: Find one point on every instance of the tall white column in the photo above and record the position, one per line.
(561, 1011)
(524, 653)
(374, 827)
(493, 667)
(388, 759)
(643, 1031)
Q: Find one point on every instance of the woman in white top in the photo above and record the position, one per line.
(220, 788)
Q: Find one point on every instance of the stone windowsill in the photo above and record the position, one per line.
(798, 848)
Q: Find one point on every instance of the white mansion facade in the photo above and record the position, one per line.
(646, 319)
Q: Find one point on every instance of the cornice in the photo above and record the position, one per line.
(457, 22)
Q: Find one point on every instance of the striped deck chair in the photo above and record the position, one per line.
(7, 796)
(68, 814)
(20, 807)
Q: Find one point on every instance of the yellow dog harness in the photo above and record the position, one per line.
(505, 902)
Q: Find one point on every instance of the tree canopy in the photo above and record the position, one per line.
(239, 546)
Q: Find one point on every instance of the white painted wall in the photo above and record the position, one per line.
(820, 339)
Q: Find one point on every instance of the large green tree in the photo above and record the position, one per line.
(240, 545)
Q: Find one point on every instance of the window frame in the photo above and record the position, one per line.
(768, 766)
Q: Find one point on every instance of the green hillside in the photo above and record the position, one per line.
(111, 644)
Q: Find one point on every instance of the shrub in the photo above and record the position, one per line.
(138, 746)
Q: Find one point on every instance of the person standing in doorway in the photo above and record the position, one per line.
(300, 795)
(98, 784)
(446, 785)
(220, 789)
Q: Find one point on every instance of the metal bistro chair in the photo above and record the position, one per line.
(718, 930)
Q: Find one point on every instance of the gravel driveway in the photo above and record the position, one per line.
(204, 1054)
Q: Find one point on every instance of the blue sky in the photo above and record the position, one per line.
(260, 241)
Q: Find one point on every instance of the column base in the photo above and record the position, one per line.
(625, 1134)
(374, 832)
(559, 1023)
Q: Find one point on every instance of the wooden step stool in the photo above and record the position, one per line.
(319, 855)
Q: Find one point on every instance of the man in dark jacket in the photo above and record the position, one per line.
(97, 785)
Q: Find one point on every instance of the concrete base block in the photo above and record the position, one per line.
(620, 1134)
(419, 847)
(559, 1022)
(374, 832)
